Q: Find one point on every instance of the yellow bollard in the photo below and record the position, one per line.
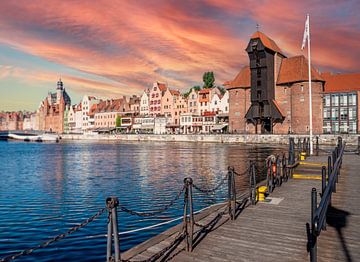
(261, 193)
(302, 156)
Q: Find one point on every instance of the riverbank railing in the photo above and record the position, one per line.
(330, 176)
(277, 170)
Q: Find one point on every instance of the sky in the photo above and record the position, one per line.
(119, 47)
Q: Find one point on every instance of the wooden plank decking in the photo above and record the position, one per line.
(274, 232)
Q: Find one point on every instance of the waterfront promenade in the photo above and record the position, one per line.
(274, 231)
(324, 139)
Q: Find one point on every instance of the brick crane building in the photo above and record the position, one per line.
(270, 95)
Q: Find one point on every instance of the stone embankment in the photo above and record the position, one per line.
(218, 138)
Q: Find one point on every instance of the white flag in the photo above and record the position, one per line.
(306, 32)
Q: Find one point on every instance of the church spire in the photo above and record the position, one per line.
(60, 85)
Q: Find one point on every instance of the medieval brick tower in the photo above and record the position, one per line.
(263, 111)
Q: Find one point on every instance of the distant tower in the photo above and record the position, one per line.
(60, 85)
(59, 90)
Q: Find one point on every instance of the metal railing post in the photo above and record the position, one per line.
(323, 186)
(188, 214)
(317, 145)
(291, 151)
(252, 174)
(231, 193)
(113, 233)
(313, 246)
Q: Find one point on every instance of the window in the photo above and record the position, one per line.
(352, 99)
(343, 100)
(193, 96)
(352, 127)
(190, 103)
(302, 88)
(326, 113)
(334, 100)
(258, 83)
(335, 127)
(326, 100)
(343, 113)
(335, 113)
(352, 113)
(258, 72)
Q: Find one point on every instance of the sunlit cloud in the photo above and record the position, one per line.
(124, 46)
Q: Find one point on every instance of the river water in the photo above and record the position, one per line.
(45, 189)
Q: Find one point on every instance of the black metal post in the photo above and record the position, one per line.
(313, 244)
(317, 145)
(112, 203)
(188, 214)
(291, 151)
(358, 145)
(252, 183)
(231, 193)
(323, 187)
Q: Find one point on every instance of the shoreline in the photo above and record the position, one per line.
(213, 138)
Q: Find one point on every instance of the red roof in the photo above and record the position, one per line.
(204, 91)
(295, 69)
(267, 41)
(174, 92)
(242, 79)
(161, 86)
(341, 82)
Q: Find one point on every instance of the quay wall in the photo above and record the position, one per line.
(219, 138)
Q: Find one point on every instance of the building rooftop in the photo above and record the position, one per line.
(295, 69)
(241, 80)
(341, 82)
(267, 42)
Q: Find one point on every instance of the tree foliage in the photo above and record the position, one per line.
(196, 88)
(222, 90)
(118, 121)
(208, 79)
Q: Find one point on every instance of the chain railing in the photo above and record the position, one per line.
(328, 186)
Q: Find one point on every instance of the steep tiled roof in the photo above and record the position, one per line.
(341, 82)
(295, 69)
(174, 92)
(267, 41)
(241, 80)
(204, 91)
(161, 86)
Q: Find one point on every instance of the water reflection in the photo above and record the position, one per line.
(47, 188)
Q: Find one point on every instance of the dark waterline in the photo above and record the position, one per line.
(48, 188)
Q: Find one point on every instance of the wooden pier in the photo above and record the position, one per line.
(275, 230)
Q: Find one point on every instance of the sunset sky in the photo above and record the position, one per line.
(113, 48)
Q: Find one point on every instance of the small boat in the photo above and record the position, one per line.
(35, 138)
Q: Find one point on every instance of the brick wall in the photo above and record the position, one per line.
(239, 103)
(294, 103)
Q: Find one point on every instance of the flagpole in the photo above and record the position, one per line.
(310, 93)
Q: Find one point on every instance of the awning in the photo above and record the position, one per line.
(219, 127)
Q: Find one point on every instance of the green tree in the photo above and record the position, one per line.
(196, 88)
(222, 90)
(209, 79)
(118, 121)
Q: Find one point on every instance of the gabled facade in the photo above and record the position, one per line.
(144, 103)
(155, 95)
(193, 102)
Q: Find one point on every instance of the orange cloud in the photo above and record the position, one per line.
(134, 43)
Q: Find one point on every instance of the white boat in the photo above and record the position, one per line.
(35, 138)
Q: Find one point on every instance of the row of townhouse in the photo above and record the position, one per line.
(163, 101)
(93, 114)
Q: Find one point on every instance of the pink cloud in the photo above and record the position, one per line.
(135, 43)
